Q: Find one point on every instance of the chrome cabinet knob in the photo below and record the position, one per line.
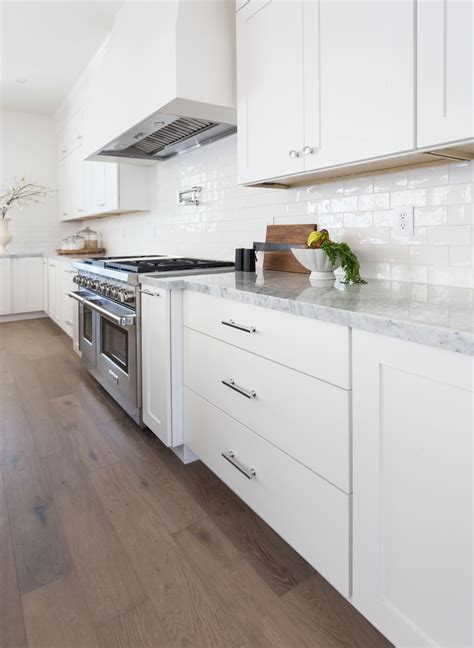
(307, 150)
(293, 153)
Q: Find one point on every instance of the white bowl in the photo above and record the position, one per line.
(318, 262)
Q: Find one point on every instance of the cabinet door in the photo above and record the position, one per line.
(54, 287)
(98, 187)
(270, 87)
(5, 287)
(366, 84)
(156, 363)
(27, 285)
(66, 304)
(412, 485)
(445, 71)
(111, 186)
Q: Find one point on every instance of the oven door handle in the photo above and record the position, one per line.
(120, 320)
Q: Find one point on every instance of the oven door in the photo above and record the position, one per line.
(117, 356)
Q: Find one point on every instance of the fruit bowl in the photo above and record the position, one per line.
(318, 262)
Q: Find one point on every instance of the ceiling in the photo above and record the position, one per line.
(44, 46)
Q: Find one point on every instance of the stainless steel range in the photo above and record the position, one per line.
(108, 299)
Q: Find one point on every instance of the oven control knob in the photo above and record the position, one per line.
(103, 287)
(114, 292)
(126, 296)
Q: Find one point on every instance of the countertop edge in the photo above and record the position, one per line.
(439, 337)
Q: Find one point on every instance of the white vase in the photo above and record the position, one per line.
(5, 236)
(316, 260)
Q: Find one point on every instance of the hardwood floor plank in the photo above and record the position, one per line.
(137, 628)
(98, 404)
(15, 435)
(156, 484)
(187, 613)
(108, 580)
(271, 557)
(12, 631)
(226, 572)
(48, 434)
(56, 616)
(40, 550)
(88, 442)
(50, 371)
(329, 618)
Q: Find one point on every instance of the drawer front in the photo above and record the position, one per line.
(316, 348)
(310, 514)
(303, 416)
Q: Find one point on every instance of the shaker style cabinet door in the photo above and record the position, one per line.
(5, 287)
(445, 34)
(412, 491)
(156, 362)
(27, 284)
(363, 106)
(270, 92)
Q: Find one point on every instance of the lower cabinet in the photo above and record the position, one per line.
(60, 307)
(5, 287)
(412, 491)
(21, 285)
(156, 362)
(309, 513)
(27, 285)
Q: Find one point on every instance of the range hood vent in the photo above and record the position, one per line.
(175, 132)
(161, 137)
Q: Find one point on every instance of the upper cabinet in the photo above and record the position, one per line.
(71, 136)
(445, 71)
(326, 88)
(322, 84)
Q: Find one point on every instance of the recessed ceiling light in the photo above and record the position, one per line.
(22, 81)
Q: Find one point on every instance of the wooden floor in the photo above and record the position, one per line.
(107, 539)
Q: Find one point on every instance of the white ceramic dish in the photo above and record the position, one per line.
(318, 262)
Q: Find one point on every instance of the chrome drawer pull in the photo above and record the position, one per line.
(241, 327)
(230, 457)
(245, 392)
(152, 294)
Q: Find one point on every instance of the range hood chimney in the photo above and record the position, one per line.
(165, 84)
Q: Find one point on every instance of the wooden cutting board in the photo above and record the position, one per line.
(285, 261)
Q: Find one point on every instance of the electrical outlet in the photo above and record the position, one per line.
(403, 221)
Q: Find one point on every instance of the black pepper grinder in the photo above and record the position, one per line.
(249, 260)
(239, 259)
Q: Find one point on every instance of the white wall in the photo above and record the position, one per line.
(28, 148)
(356, 210)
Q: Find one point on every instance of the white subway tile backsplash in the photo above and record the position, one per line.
(450, 194)
(461, 172)
(415, 197)
(448, 234)
(391, 181)
(355, 209)
(431, 215)
(374, 201)
(425, 176)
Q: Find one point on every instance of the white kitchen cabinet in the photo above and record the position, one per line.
(156, 362)
(5, 287)
(27, 284)
(445, 79)
(270, 89)
(54, 291)
(95, 188)
(45, 285)
(322, 84)
(412, 490)
(71, 136)
(67, 305)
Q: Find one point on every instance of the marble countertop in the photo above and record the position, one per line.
(22, 255)
(436, 316)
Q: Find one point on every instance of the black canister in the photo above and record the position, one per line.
(239, 259)
(249, 260)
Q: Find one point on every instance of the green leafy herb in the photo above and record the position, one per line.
(349, 262)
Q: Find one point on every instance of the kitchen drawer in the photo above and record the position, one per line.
(303, 416)
(309, 513)
(317, 348)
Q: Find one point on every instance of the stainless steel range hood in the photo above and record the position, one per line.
(165, 82)
(161, 136)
